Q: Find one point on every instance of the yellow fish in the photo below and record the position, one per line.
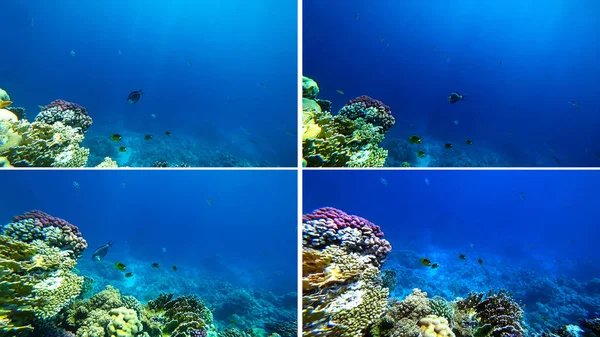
(339, 92)
(4, 104)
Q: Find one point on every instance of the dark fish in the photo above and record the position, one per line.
(455, 97)
(469, 142)
(500, 62)
(448, 146)
(174, 268)
(148, 137)
(120, 266)
(122, 149)
(129, 275)
(421, 154)
(264, 85)
(116, 137)
(480, 261)
(522, 195)
(168, 133)
(556, 159)
(414, 139)
(435, 265)
(462, 257)
(155, 265)
(100, 252)
(134, 97)
(424, 261)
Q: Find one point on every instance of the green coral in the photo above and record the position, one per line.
(441, 308)
(310, 88)
(45, 145)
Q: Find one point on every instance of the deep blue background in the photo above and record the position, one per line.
(233, 46)
(520, 109)
(557, 220)
(252, 223)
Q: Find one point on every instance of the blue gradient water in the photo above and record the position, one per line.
(220, 75)
(412, 55)
(216, 227)
(535, 231)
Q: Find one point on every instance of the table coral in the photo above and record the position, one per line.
(68, 113)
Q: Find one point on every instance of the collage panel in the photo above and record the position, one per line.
(450, 83)
(450, 253)
(139, 83)
(152, 253)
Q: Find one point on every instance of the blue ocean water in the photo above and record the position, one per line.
(220, 76)
(518, 63)
(231, 234)
(535, 232)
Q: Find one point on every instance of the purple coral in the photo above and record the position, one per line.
(69, 113)
(359, 107)
(338, 219)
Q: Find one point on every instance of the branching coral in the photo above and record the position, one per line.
(496, 314)
(185, 316)
(442, 308)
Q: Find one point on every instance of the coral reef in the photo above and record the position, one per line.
(108, 163)
(434, 326)
(56, 232)
(351, 138)
(185, 316)
(342, 291)
(401, 317)
(496, 314)
(68, 113)
(123, 323)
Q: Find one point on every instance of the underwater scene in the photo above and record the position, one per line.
(450, 254)
(138, 83)
(451, 83)
(149, 254)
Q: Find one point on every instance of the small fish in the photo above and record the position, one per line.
(209, 202)
(115, 137)
(122, 149)
(123, 185)
(382, 39)
(76, 185)
(500, 62)
(383, 181)
(120, 52)
(32, 22)
(357, 17)
(101, 251)
(472, 245)
(134, 96)
(480, 261)
(339, 92)
(522, 195)
(556, 159)
(120, 266)
(174, 268)
(168, 133)
(4, 104)
(72, 53)
(264, 85)
(153, 115)
(448, 146)
(148, 137)
(414, 139)
(425, 262)
(164, 249)
(155, 265)
(426, 181)
(435, 265)
(455, 122)
(469, 142)
(462, 257)
(575, 102)
(421, 154)
(129, 275)
(189, 62)
(41, 107)
(233, 321)
(455, 97)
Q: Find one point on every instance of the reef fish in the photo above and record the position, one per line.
(339, 92)
(101, 251)
(455, 97)
(134, 97)
(575, 102)
(425, 262)
(120, 266)
(4, 104)
(421, 154)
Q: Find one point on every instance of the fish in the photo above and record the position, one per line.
(575, 102)
(130, 274)
(72, 53)
(148, 137)
(120, 52)
(448, 146)
(76, 185)
(426, 181)
(382, 39)
(264, 85)
(472, 245)
(115, 137)
(168, 133)
(164, 249)
(120, 266)
(435, 265)
(4, 104)
(383, 181)
(455, 97)
(357, 16)
(462, 257)
(469, 142)
(455, 122)
(174, 268)
(155, 265)
(480, 261)
(414, 139)
(153, 115)
(209, 202)
(425, 261)
(122, 149)
(522, 195)
(556, 159)
(134, 96)
(32, 22)
(339, 92)
(500, 62)
(101, 251)
(123, 185)
(189, 62)
(421, 154)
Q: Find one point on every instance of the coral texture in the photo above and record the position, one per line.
(68, 113)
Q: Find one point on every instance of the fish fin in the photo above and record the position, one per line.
(458, 93)
(110, 243)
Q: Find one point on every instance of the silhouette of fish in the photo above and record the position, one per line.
(100, 252)
(134, 97)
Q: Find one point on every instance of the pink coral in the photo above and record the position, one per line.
(44, 219)
(63, 105)
(338, 219)
(380, 115)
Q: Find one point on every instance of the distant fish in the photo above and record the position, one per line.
(455, 122)
(425, 262)
(414, 139)
(357, 17)
(480, 261)
(123, 185)
(174, 268)
(472, 245)
(556, 159)
(32, 22)
(148, 137)
(522, 195)
(120, 52)
(447, 146)
(164, 249)
(264, 85)
(383, 181)
(76, 185)
(72, 53)
(155, 265)
(168, 133)
(115, 137)
(575, 102)
(421, 154)
(426, 181)
(128, 275)
(382, 39)
(134, 96)
(339, 92)
(153, 115)
(435, 265)
(500, 62)
(469, 142)
(189, 62)
(122, 149)
(101, 251)
(462, 256)
(120, 266)
(209, 202)
(455, 97)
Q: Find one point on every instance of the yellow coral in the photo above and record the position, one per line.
(123, 323)
(108, 163)
(434, 326)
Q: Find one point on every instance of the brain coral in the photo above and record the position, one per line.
(123, 323)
